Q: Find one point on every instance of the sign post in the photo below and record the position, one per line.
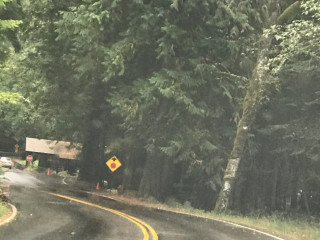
(29, 159)
(113, 164)
(16, 148)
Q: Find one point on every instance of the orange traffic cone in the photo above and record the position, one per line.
(98, 186)
(48, 171)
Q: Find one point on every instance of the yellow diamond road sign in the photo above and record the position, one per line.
(113, 163)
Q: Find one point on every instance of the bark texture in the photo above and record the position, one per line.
(157, 179)
(251, 105)
(92, 156)
(93, 167)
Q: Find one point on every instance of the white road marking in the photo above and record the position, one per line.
(63, 181)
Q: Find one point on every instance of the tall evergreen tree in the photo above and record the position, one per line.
(180, 109)
(259, 90)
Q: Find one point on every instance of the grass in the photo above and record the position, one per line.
(295, 229)
(30, 168)
(3, 206)
(3, 209)
(34, 166)
(287, 228)
(20, 161)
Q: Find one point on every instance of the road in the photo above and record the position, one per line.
(50, 209)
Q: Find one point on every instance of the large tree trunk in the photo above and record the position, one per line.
(274, 186)
(133, 171)
(91, 169)
(157, 178)
(251, 105)
(149, 184)
(295, 185)
(128, 173)
(93, 166)
(256, 92)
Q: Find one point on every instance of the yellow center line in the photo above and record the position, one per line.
(142, 225)
(153, 232)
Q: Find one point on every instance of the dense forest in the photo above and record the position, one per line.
(211, 102)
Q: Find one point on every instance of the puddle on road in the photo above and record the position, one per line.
(21, 179)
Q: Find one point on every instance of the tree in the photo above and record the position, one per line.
(154, 58)
(296, 62)
(257, 92)
(9, 101)
(259, 88)
(12, 111)
(180, 108)
(95, 53)
(7, 26)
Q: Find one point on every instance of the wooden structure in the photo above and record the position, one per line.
(59, 155)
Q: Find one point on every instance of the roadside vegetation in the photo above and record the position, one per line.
(31, 167)
(288, 227)
(3, 206)
(3, 209)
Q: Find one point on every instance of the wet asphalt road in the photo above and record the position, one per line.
(42, 216)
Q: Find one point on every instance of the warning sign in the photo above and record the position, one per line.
(113, 163)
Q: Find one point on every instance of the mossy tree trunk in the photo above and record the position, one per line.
(257, 91)
(252, 102)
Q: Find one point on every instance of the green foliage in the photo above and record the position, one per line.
(283, 150)
(298, 41)
(289, 13)
(31, 116)
(9, 24)
(3, 208)
(13, 112)
(180, 107)
(8, 97)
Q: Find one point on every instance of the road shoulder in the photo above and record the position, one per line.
(162, 207)
(10, 216)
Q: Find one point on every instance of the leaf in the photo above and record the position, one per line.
(10, 97)
(175, 5)
(271, 129)
(209, 146)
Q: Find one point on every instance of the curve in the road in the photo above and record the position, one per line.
(141, 224)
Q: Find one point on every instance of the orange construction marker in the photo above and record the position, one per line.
(98, 186)
(48, 171)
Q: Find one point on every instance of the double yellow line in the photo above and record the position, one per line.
(145, 228)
